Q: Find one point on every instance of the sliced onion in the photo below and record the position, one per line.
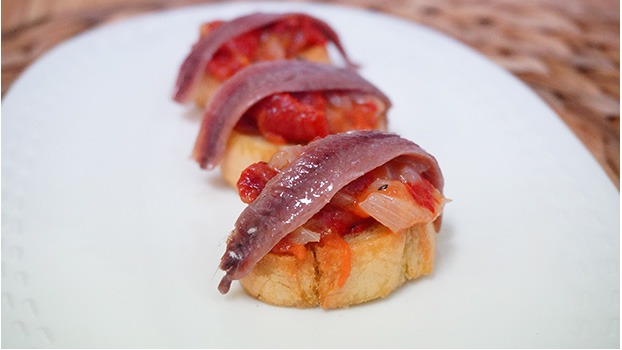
(285, 156)
(409, 174)
(393, 207)
(343, 199)
(303, 235)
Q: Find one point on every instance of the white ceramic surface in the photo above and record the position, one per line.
(111, 235)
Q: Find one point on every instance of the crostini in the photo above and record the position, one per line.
(344, 220)
(226, 47)
(269, 105)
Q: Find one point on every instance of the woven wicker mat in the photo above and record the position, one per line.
(568, 51)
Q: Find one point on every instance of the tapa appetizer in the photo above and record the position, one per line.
(344, 220)
(269, 105)
(226, 47)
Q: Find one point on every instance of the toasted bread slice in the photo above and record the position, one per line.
(243, 150)
(381, 261)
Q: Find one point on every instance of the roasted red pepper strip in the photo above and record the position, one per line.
(252, 181)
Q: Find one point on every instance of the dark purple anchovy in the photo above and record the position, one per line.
(301, 190)
(260, 80)
(194, 64)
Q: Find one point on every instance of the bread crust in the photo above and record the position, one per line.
(381, 261)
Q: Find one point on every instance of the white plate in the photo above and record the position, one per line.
(111, 235)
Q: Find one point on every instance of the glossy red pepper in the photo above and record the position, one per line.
(302, 117)
(285, 119)
(422, 193)
(253, 180)
(234, 55)
(334, 218)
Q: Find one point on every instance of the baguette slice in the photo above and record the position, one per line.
(243, 150)
(381, 261)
